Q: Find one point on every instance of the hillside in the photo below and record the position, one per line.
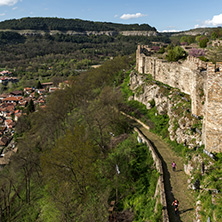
(198, 31)
(77, 25)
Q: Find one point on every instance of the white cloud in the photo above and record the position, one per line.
(171, 30)
(2, 14)
(8, 2)
(215, 21)
(132, 16)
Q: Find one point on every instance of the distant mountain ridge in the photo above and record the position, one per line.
(198, 31)
(77, 25)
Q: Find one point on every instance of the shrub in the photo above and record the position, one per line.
(161, 50)
(155, 48)
(187, 39)
(175, 54)
(203, 42)
(196, 52)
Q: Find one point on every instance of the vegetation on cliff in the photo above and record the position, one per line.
(208, 194)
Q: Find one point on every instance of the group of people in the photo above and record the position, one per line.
(175, 202)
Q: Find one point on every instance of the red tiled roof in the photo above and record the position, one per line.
(13, 98)
(9, 122)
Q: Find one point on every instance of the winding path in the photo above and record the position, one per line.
(175, 182)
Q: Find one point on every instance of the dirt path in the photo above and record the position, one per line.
(175, 182)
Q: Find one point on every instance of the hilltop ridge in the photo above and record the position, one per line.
(77, 25)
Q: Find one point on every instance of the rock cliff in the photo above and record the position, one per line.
(97, 33)
(183, 126)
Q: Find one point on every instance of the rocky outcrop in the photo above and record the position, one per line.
(88, 33)
(139, 33)
(182, 125)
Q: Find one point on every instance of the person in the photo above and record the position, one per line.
(174, 166)
(176, 206)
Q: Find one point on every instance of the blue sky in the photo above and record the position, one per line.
(162, 14)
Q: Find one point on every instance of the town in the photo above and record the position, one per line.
(15, 104)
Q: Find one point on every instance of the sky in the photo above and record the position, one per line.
(164, 15)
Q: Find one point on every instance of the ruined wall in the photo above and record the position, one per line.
(202, 81)
(189, 76)
(159, 167)
(212, 135)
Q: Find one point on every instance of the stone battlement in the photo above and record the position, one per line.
(201, 80)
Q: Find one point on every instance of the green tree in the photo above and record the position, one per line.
(161, 50)
(203, 42)
(31, 107)
(214, 36)
(39, 85)
(197, 39)
(68, 171)
(175, 54)
(187, 39)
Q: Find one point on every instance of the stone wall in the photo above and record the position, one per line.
(168, 101)
(202, 81)
(212, 135)
(189, 76)
(159, 167)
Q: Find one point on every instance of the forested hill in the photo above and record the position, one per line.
(78, 25)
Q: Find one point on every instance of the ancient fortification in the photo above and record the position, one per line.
(201, 80)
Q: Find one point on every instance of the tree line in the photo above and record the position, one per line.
(65, 167)
(39, 23)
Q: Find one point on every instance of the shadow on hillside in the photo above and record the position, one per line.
(168, 188)
(183, 211)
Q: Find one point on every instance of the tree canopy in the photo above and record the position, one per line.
(38, 23)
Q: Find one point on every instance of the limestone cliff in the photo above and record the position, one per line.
(183, 126)
(28, 32)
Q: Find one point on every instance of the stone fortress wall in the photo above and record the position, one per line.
(201, 80)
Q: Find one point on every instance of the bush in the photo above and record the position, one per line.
(203, 59)
(161, 50)
(196, 52)
(203, 42)
(187, 39)
(176, 54)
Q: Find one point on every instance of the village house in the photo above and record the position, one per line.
(9, 123)
(6, 109)
(53, 89)
(5, 80)
(47, 85)
(3, 141)
(64, 84)
(4, 95)
(16, 93)
(12, 99)
(18, 114)
(41, 91)
(23, 103)
(28, 90)
(5, 72)
(2, 129)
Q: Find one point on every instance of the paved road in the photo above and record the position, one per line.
(176, 182)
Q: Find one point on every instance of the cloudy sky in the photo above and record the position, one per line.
(162, 14)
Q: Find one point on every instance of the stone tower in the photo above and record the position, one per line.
(212, 129)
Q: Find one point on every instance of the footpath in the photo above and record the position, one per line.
(175, 182)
